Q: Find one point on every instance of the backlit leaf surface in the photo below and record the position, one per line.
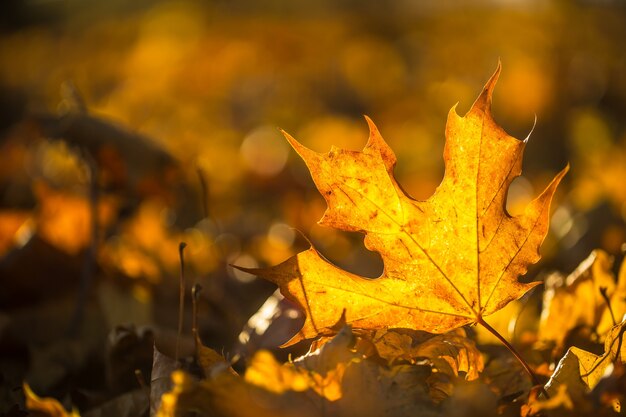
(448, 261)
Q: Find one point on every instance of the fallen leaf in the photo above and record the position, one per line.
(333, 380)
(266, 372)
(209, 360)
(339, 350)
(610, 390)
(577, 300)
(45, 407)
(370, 389)
(448, 261)
(559, 404)
(580, 371)
(160, 381)
(133, 403)
(228, 395)
(505, 377)
(575, 362)
(321, 370)
(450, 353)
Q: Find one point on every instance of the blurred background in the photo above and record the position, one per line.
(163, 117)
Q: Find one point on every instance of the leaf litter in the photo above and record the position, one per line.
(449, 261)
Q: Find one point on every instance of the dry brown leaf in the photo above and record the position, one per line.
(161, 378)
(130, 404)
(449, 260)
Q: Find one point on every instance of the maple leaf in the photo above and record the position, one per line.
(448, 261)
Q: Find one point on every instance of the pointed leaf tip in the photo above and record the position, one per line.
(374, 134)
(483, 102)
(304, 152)
(370, 124)
(561, 174)
(376, 141)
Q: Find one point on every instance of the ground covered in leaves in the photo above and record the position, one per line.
(125, 131)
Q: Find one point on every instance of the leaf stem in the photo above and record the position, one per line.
(515, 353)
(195, 294)
(607, 300)
(205, 192)
(181, 302)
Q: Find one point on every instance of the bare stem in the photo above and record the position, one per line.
(607, 300)
(195, 294)
(515, 353)
(181, 303)
(205, 192)
(140, 379)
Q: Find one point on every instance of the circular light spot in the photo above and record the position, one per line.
(281, 235)
(246, 261)
(264, 152)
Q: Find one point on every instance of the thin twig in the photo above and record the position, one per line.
(205, 192)
(140, 379)
(607, 300)
(181, 301)
(195, 295)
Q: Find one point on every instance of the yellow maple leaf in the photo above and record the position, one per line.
(448, 261)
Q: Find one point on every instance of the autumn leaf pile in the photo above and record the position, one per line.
(418, 340)
(449, 261)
